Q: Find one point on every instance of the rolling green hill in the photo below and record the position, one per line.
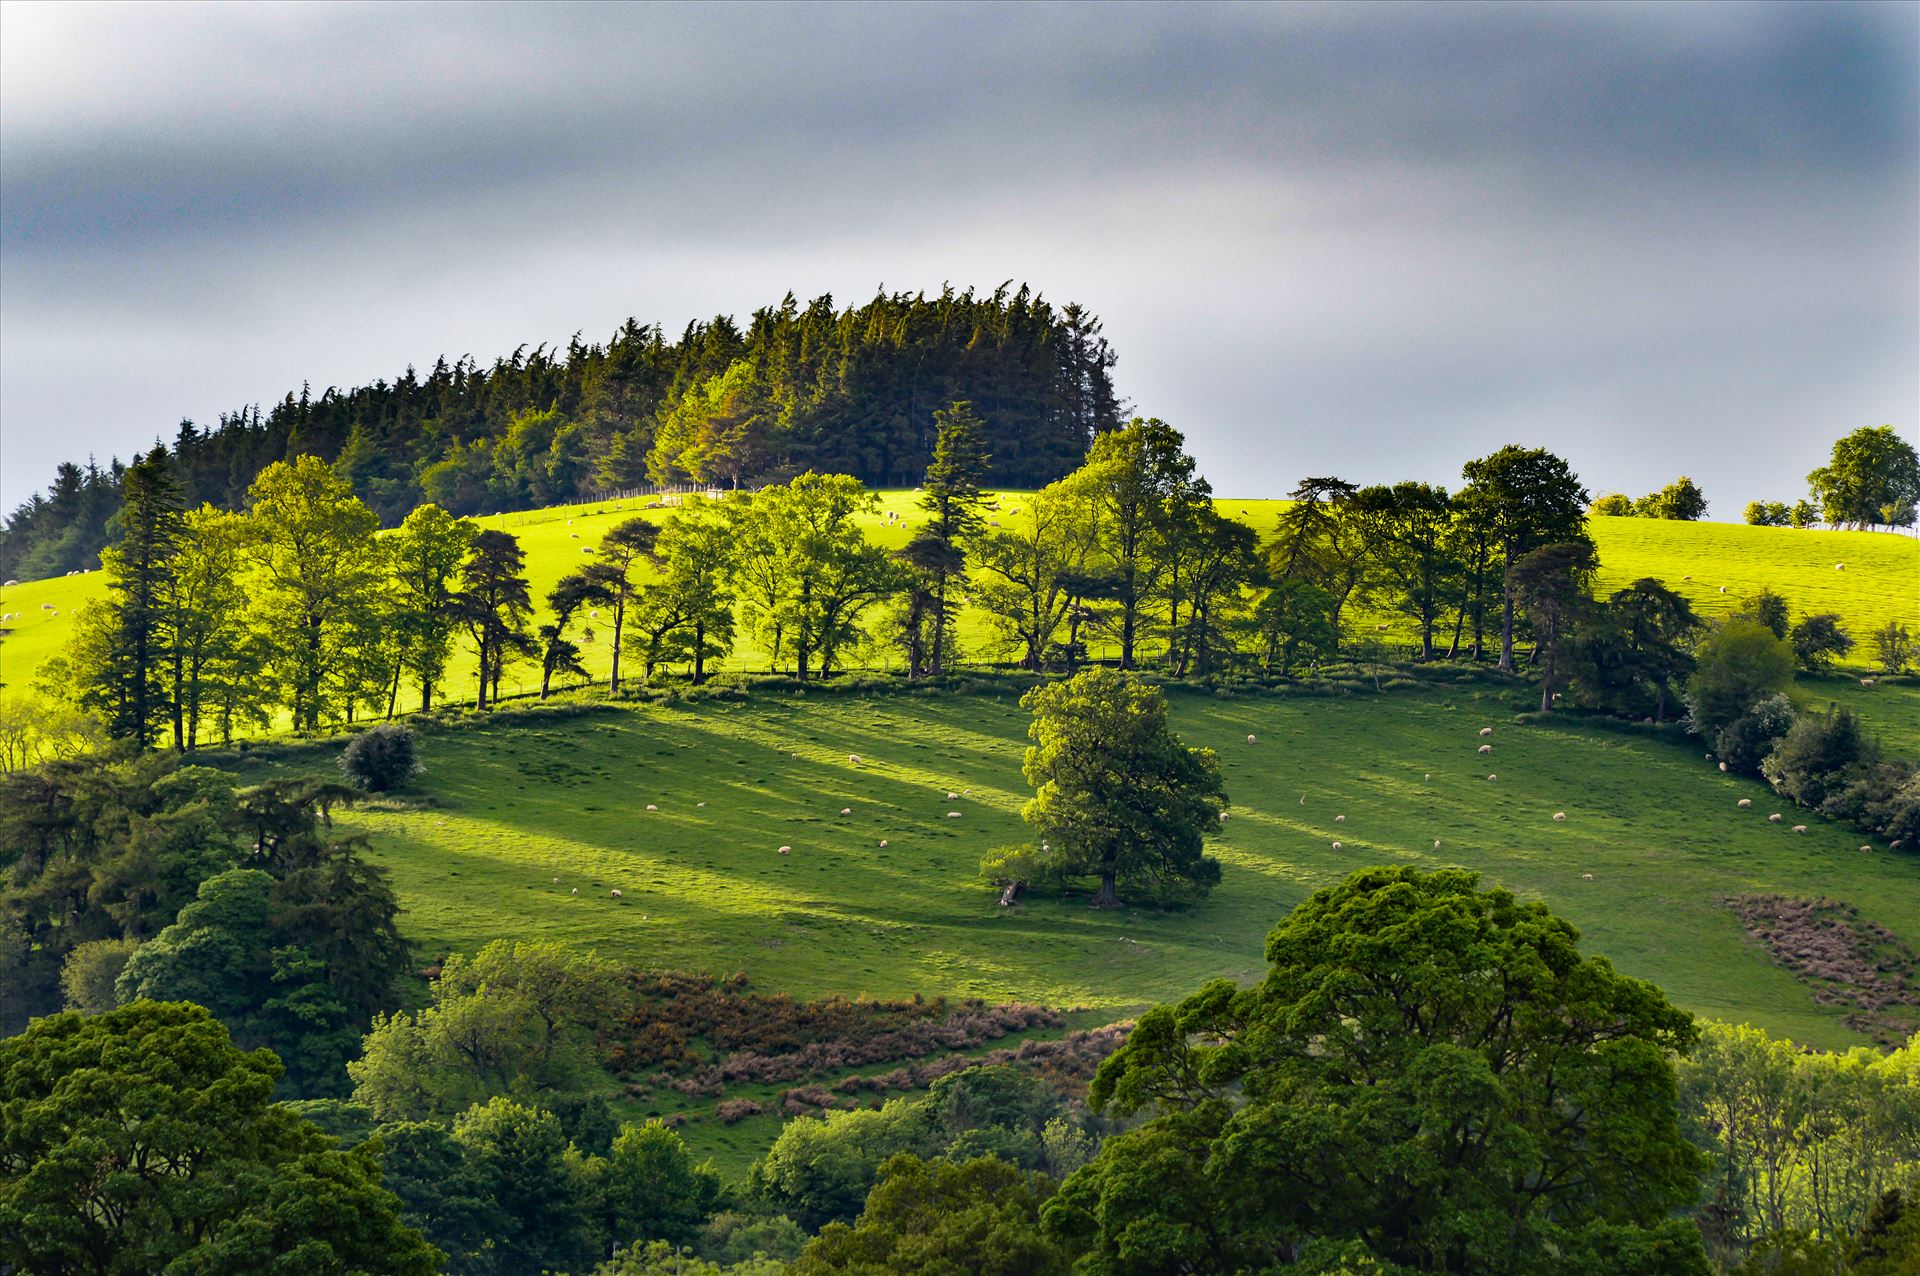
(515, 815)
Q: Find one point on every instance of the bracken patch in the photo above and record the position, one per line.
(1848, 961)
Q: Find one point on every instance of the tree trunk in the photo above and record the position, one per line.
(1109, 896)
(699, 653)
(1506, 631)
(619, 620)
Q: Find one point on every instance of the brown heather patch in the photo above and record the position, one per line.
(1848, 961)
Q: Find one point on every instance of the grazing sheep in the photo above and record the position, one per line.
(616, 893)
(13, 582)
(1723, 589)
(1493, 777)
(953, 815)
(575, 891)
(1250, 739)
(1339, 819)
(1723, 766)
(1799, 828)
(699, 803)
(786, 850)
(652, 807)
(1839, 567)
(1336, 846)
(1223, 817)
(574, 535)
(1744, 803)
(846, 810)
(1427, 776)
(556, 881)
(1303, 799)
(853, 759)
(1866, 682)
(883, 841)
(951, 796)
(1486, 731)
(1865, 849)
(1686, 578)
(1774, 818)
(1560, 816)
(1486, 748)
(1586, 877)
(1436, 843)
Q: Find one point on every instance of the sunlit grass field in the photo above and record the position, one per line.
(516, 814)
(1881, 580)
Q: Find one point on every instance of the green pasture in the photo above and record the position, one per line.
(516, 814)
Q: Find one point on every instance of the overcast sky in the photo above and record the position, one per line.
(1364, 240)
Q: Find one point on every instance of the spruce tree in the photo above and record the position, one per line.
(952, 498)
(127, 688)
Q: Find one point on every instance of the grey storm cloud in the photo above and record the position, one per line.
(1366, 239)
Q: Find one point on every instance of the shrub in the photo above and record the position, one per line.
(1766, 513)
(1739, 664)
(380, 759)
(1811, 760)
(1744, 743)
(731, 1110)
(1818, 639)
(1895, 647)
(1613, 505)
(87, 977)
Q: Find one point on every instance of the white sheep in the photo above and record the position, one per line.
(575, 891)
(652, 807)
(1493, 777)
(786, 850)
(699, 803)
(1427, 776)
(1339, 819)
(1250, 739)
(951, 795)
(853, 759)
(1723, 589)
(846, 810)
(1745, 804)
(953, 815)
(1336, 846)
(1436, 843)
(883, 841)
(556, 881)
(1865, 849)
(1586, 877)
(1774, 818)
(1486, 748)
(1560, 817)
(1799, 828)
(1223, 817)
(1866, 682)
(1723, 766)
(1839, 567)
(1486, 731)
(616, 893)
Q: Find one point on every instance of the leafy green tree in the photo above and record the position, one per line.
(1328, 539)
(1132, 475)
(1767, 607)
(1552, 588)
(440, 1191)
(141, 1140)
(1413, 550)
(1528, 498)
(1681, 499)
(1612, 505)
(558, 653)
(1894, 647)
(1218, 562)
(314, 564)
(1818, 640)
(694, 584)
(1765, 514)
(651, 1189)
(1632, 655)
(536, 1186)
(976, 1216)
(622, 552)
(88, 975)
(1033, 570)
(1117, 796)
(1294, 617)
(206, 606)
(1738, 664)
(512, 1019)
(427, 552)
(1872, 478)
(494, 603)
(806, 572)
(1430, 1076)
(1813, 759)
(820, 1170)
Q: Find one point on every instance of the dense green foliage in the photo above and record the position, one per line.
(1430, 1073)
(142, 1140)
(837, 390)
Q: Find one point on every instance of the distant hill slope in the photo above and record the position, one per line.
(843, 390)
(1698, 559)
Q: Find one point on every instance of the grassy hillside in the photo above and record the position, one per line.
(1698, 559)
(512, 818)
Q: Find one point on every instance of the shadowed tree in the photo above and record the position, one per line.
(1552, 588)
(952, 498)
(1530, 498)
(427, 551)
(621, 553)
(494, 603)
